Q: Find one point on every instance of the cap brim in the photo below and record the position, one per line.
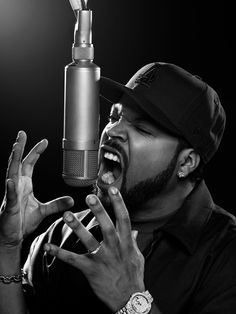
(113, 91)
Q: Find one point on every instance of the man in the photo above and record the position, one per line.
(160, 245)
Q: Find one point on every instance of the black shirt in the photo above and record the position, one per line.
(190, 264)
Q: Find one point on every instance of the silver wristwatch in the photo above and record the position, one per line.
(139, 303)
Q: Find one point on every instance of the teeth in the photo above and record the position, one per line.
(108, 177)
(112, 156)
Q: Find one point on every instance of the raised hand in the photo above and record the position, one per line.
(21, 212)
(114, 267)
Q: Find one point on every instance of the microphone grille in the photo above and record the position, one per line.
(80, 167)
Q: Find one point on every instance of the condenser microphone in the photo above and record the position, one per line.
(81, 108)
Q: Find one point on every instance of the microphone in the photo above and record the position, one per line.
(81, 107)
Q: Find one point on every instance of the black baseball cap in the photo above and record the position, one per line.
(180, 102)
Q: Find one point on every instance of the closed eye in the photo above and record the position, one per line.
(143, 130)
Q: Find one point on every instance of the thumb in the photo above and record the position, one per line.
(57, 205)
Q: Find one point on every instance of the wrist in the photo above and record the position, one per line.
(8, 249)
(13, 278)
(139, 303)
(10, 259)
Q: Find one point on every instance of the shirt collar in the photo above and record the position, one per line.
(189, 221)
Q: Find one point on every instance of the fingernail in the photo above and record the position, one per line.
(113, 190)
(91, 199)
(18, 135)
(70, 201)
(10, 182)
(69, 217)
(46, 247)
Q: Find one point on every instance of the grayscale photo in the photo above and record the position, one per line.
(117, 157)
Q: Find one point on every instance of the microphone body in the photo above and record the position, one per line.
(81, 111)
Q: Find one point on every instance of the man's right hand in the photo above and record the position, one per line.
(21, 212)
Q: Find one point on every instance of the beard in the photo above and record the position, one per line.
(136, 197)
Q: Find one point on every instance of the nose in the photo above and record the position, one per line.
(117, 130)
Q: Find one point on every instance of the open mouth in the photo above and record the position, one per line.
(111, 165)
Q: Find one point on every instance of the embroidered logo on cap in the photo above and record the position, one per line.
(147, 77)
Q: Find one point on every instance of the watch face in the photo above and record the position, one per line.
(140, 303)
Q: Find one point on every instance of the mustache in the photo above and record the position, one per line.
(114, 144)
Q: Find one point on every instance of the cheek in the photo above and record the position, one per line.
(148, 158)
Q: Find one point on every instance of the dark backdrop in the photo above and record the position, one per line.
(35, 45)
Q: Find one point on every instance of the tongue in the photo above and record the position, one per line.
(116, 172)
(108, 177)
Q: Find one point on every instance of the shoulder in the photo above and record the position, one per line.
(217, 242)
(222, 226)
(220, 233)
(216, 287)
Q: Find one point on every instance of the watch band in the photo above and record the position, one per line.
(139, 297)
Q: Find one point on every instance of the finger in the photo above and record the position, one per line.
(56, 206)
(82, 233)
(32, 157)
(11, 195)
(123, 224)
(79, 261)
(16, 155)
(105, 222)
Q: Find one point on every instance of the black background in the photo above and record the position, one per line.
(35, 44)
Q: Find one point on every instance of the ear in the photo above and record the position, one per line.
(188, 162)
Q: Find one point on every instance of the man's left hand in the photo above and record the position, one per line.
(114, 267)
